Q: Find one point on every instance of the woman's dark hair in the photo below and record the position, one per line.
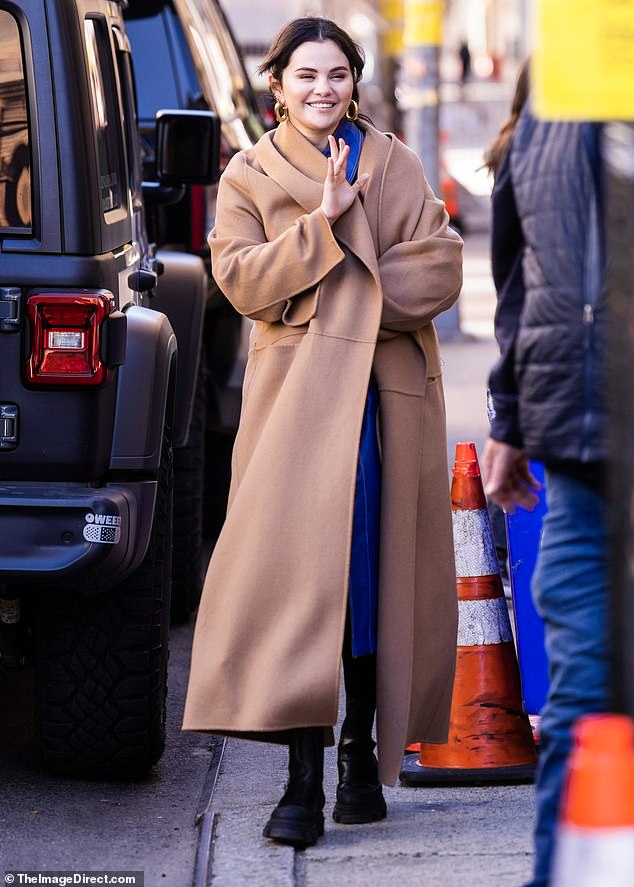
(312, 29)
(497, 149)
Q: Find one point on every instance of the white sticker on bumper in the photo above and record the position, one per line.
(102, 528)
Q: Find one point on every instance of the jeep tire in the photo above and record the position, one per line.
(101, 665)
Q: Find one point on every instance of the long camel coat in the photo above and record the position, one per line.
(330, 305)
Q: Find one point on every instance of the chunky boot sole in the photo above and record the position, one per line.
(351, 812)
(294, 825)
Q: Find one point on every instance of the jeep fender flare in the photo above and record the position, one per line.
(144, 391)
(181, 294)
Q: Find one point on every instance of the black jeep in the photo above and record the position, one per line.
(186, 57)
(94, 386)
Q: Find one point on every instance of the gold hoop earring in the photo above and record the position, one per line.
(281, 112)
(353, 111)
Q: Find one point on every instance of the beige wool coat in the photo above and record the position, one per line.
(330, 305)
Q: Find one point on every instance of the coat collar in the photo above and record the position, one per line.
(299, 168)
(294, 163)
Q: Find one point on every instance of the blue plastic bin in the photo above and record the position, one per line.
(523, 532)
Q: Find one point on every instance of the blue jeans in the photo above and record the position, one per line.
(570, 593)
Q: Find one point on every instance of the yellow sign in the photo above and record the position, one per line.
(583, 65)
(423, 23)
(392, 12)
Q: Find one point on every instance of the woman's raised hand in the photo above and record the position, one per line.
(338, 193)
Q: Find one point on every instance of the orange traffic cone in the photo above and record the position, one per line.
(490, 738)
(595, 838)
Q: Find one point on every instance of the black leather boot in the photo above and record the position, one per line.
(359, 793)
(298, 819)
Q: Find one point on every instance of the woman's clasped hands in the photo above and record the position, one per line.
(339, 194)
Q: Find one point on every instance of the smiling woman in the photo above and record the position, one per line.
(287, 54)
(337, 543)
(316, 89)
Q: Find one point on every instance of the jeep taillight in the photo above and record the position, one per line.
(198, 218)
(66, 338)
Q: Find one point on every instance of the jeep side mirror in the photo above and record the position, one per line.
(187, 147)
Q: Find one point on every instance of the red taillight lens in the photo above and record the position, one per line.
(65, 338)
(198, 217)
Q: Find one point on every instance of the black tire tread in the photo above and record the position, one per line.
(101, 665)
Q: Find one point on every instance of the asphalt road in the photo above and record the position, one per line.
(59, 824)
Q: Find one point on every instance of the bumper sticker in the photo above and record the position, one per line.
(102, 528)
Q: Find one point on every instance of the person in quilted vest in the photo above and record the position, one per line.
(547, 392)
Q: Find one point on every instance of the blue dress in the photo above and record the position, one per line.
(364, 553)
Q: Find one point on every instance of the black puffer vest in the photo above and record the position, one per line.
(560, 351)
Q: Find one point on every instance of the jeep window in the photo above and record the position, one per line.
(15, 158)
(126, 80)
(154, 67)
(220, 69)
(106, 117)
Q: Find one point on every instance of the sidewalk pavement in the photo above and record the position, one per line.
(432, 837)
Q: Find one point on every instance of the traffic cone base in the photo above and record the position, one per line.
(490, 738)
(414, 774)
(488, 742)
(487, 727)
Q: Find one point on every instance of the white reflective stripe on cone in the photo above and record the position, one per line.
(474, 549)
(594, 857)
(483, 622)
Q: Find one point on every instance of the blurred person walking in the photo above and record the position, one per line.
(338, 538)
(547, 393)
(464, 54)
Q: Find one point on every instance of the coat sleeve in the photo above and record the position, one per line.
(258, 276)
(421, 273)
(507, 248)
